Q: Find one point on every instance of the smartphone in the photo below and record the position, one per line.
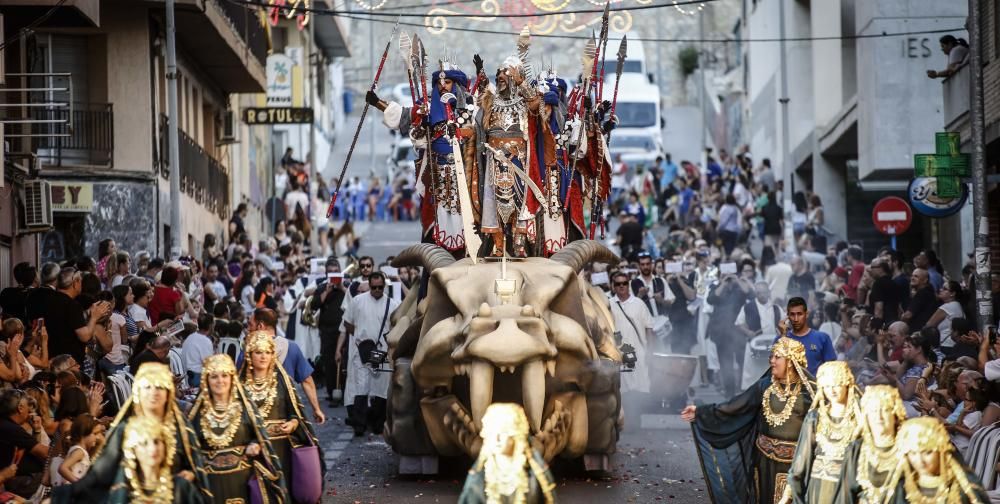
(673, 267)
(727, 268)
(37, 324)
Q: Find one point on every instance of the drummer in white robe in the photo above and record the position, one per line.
(635, 324)
(367, 388)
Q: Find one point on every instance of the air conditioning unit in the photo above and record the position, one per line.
(228, 128)
(37, 204)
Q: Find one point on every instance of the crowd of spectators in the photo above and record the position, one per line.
(74, 334)
(705, 252)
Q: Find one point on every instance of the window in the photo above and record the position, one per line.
(635, 115)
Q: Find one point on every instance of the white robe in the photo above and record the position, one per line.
(641, 320)
(365, 314)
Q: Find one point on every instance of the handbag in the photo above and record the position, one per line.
(307, 477)
(254, 491)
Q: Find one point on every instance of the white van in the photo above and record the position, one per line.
(638, 107)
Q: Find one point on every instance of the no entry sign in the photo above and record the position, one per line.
(892, 215)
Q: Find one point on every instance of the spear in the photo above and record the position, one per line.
(588, 60)
(405, 46)
(604, 47)
(618, 75)
(361, 122)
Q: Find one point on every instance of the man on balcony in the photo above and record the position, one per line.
(957, 50)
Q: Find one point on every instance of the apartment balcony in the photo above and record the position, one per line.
(81, 136)
(957, 92)
(203, 177)
(226, 40)
(71, 13)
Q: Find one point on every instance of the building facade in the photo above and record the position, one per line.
(860, 107)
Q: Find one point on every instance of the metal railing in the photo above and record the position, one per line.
(88, 137)
(202, 176)
(246, 22)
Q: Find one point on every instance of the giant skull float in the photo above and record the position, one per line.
(530, 331)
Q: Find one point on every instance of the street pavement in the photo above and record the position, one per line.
(655, 463)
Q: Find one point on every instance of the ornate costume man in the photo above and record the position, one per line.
(232, 436)
(746, 444)
(869, 461)
(271, 391)
(153, 398)
(929, 470)
(508, 469)
(440, 214)
(829, 428)
(147, 448)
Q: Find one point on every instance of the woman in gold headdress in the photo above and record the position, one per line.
(270, 390)
(833, 423)
(232, 435)
(869, 461)
(147, 448)
(153, 398)
(508, 469)
(929, 470)
(746, 445)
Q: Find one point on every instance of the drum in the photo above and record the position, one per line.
(671, 375)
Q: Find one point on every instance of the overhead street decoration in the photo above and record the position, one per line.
(948, 165)
(277, 115)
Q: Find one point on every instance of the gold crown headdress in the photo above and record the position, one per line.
(791, 350)
(884, 397)
(834, 374)
(152, 375)
(929, 434)
(216, 364)
(923, 434)
(259, 341)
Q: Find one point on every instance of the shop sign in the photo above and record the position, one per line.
(279, 80)
(924, 197)
(278, 115)
(72, 196)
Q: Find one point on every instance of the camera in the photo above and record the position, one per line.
(629, 357)
(370, 354)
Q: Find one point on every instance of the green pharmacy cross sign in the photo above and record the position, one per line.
(947, 165)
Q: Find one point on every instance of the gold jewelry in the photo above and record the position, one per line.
(218, 364)
(262, 392)
(228, 420)
(259, 341)
(156, 488)
(833, 436)
(789, 396)
(872, 460)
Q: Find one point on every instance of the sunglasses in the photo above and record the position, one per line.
(367, 265)
(376, 287)
(621, 284)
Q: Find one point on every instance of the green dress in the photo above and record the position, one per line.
(229, 470)
(286, 407)
(814, 476)
(867, 484)
(743, 457)
(541, 489)
(105, 481)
